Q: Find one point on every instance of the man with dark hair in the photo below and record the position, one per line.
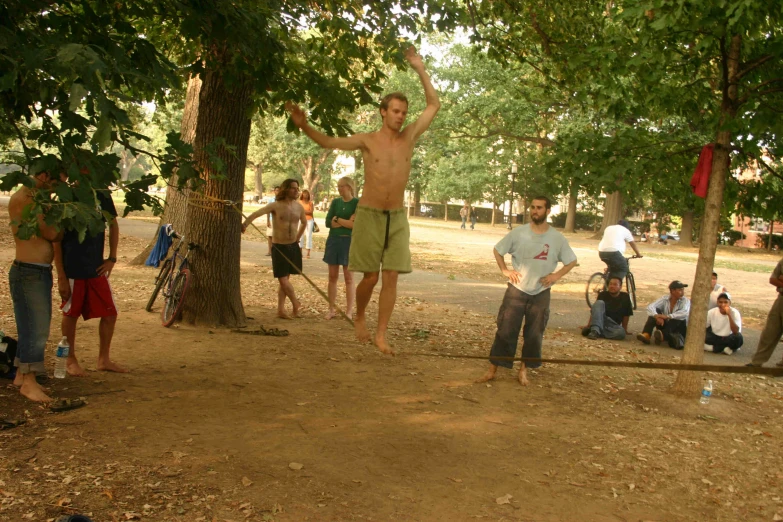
(611, 249)
(83, 283)
(724, 327)
(30, 278)
(667, 318)
(717, 289)
(536, 248)
(381, 234)
(610, 313)
(290, 223)
(773, 328)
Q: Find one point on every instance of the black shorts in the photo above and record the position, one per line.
(281, 267)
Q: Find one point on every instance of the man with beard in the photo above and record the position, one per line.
(536, 249)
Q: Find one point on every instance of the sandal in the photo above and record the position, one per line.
(66, 405)
(10, 424)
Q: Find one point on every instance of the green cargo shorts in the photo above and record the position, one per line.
(381, 241)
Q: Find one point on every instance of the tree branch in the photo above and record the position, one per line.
(533, 139)
(752, 65)
(760, 161)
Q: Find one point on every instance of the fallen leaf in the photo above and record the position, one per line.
(296, 466)
(505, 499)
(777, 518)
(246, 481)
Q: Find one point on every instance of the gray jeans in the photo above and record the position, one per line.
(518, 306)
(618, 265)
(603, 324)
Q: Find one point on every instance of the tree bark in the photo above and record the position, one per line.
(494, 211)
(688, 383)
(570, 223)
(686, 231)
(258, 170)
(417, 199)
(613, 212)
(446, 211)
(771, 232)
(127, 162)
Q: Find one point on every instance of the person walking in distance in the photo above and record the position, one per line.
(536, 248)
(339, 220)
(463, 213)
(30, 278)
(306, 243)
(381, 234)
(773, 328)
(290, 222)
(473, 217)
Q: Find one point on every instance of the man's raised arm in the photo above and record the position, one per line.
(328, 142)
(433, 103)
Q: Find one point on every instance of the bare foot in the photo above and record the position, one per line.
(283, 315)
(32, 390)
(383, 346)
(489, 375)
(109, 366)
(360, 328)
(297, 307)
(523, 376)
(330, 314)
(19, 379)
(74, 369)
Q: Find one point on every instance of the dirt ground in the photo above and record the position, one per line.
(212, 425)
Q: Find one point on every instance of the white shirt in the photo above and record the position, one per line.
(720, 323)
(716, 291)
(614, 239)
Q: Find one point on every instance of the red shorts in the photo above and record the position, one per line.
(90, 298)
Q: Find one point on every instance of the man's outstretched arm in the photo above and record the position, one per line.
(328, 142)
(433, 103)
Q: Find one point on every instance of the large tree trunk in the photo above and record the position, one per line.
(613, 212)
(771, 233)
(127, 162)
(446, 211)
(686, 231)
(311, 169)
(688, 383)
(417, 199)
(494, 211)
(570, 223)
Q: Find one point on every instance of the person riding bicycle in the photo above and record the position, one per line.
(611, 249)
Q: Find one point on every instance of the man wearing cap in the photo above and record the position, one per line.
(668, 318)
(724, 327)
(611, 249)
(773, 328)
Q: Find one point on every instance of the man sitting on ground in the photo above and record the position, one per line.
(717, 289)
(610, 313)
(668, 318)
(724, 327)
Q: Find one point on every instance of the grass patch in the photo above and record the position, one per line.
(719, 263)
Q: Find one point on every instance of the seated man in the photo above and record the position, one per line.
(611, 249)
(610, 313)
(668, 318)
(724, 327)
(717, 289)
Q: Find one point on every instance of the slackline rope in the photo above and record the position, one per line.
(758, 370)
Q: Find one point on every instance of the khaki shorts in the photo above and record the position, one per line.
(381, 241)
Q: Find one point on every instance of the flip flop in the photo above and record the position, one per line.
(74, 518)
(66, 405)
(6, 424)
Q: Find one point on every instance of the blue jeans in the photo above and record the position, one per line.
(518, 305)
(472, 223)
(603, 324)
(31, 292)
(618, 265)
(464, 219)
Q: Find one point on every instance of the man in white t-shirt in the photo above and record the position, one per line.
(536, 249)
(724, 327)
(611, 249)
(717, 289)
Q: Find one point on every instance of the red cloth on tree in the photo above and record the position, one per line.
(701, 177)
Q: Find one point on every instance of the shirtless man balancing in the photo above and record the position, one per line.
(290, 223)
(30, 277)
(380, 232)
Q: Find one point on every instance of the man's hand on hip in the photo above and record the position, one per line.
(549, 280)
(513, 276)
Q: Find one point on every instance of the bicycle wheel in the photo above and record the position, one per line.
(176, 298)
(630, 285)
(595, 284)
(163, 275)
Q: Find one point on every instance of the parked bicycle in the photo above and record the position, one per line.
(174, 286)
(599, 281)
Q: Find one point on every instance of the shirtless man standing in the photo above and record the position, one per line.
(381, 234)
(30, 277)
(285, 241)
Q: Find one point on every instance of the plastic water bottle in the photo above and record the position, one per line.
(706, 393)
(63, 349)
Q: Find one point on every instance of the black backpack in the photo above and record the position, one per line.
(7, 356)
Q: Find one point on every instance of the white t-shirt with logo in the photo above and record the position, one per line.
(614, 239)
(720, 323)
(535, 255)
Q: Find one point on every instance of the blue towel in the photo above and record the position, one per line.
(161, 248)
